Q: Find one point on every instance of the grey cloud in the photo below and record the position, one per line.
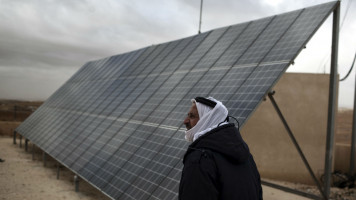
(36, 53)
(55, 38)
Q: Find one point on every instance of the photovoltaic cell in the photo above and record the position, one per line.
(117, 122)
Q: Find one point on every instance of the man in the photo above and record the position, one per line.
(218, 163)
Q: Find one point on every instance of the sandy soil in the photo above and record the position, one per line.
(23, 178)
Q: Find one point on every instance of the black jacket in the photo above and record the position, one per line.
(218, 165)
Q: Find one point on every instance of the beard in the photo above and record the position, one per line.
(188, 126)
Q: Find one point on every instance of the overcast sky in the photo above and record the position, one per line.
(43, 43)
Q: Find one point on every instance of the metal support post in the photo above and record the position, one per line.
(26, 144)
(76, 181)
(353, 139)
(33, 152)
(20, 141)
(44, 158)
(289, 131)
(332, 101)
(14, 137)
(201, 10)
(58, 169)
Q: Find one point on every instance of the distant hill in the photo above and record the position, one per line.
(15, 110)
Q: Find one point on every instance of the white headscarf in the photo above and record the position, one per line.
(209, 118)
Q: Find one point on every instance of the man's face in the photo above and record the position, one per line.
(192, 117)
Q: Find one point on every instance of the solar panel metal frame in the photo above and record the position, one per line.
(57, 128)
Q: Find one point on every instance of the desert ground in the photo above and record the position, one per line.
(23, 175)
(24, 178)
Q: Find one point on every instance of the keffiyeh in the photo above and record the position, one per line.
(209, 118)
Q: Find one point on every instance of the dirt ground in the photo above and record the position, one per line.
(23, 178)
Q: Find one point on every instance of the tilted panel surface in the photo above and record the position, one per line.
(118, 121)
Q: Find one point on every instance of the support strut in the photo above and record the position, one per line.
(58, 170)
(291, 135)
(14, 137)
(33, 151)
(20, 141)
(26, 144)
(76, 181)
(44, 159)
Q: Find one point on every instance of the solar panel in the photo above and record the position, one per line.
(117, 122)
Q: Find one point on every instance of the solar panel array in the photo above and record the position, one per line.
(117, 122)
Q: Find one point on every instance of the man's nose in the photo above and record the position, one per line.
(186, 120)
